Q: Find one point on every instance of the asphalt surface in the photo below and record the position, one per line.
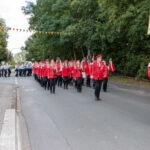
(75, 121)
(7, 96)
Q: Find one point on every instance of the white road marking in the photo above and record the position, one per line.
(29, 90)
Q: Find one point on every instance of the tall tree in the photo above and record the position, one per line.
(115, 28)
(3, 42)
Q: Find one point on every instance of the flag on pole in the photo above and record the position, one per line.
(149, 27)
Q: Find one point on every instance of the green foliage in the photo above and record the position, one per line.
(3, 43)
(142, 72)
(115, 28)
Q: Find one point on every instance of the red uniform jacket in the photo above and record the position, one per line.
(98, 71)
(112, 67)
(44, 73)
(106, 72)
(77, 72)
(87, 68)
(51, 73)
(149, 71)
(58, 68)
(40, 71)
(37, 70)
(65, 71)
(71, 70)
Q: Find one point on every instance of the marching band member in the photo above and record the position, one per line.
(71, 67)
(46, 73)
(65, 74)
(149, 70)
(111, 65)
(105, 76)
(87, 72)
(51, 74)
(78, 76)
(59, 72)
(97, 75)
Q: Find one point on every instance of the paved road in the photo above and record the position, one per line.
(74, 121)
(7, 96)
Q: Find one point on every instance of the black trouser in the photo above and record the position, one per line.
(16, 72)
(9, 72)
(71, 81)
(24, 72)
(98, 85)
(59, 81)
(75, 83)
(5, 73)
(2, 72)
(93, 83)
(52, 84)
(105, 81)
(29, 72)
(88, 81)
(82, 81)
(20, 72)
(45, 82)
(66, 82)
(79, 82)
(39, 79)
(42, 81)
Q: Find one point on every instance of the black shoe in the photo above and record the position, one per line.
(97, 99)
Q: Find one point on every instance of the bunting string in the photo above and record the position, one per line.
(29, 31)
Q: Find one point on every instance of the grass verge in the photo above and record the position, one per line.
(130, 81)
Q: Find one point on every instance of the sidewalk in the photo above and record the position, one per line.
(7, 99)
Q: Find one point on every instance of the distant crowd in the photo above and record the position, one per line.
(5, 70)
(23, 69)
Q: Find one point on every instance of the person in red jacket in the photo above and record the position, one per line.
(40, 72)
(111, 66)
(65, 74)
(87, 72)
(78, 76)
(105, 76)
(71, 67)
(149, 70)
(51, 74)
(59, 72)
(43, 74)
(97, 75)
(34, 70)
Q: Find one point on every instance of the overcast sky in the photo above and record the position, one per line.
(10, 10)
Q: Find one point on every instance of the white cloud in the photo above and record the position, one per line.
(10, 10)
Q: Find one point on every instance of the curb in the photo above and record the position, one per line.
(23, 136)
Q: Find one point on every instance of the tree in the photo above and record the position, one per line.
(3, 42)
(20, 57)
(114, 28)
